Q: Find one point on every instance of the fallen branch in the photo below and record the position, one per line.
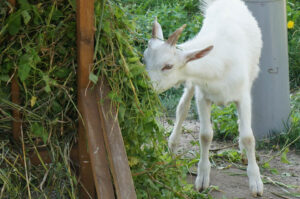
(279, 195)
(282, 150)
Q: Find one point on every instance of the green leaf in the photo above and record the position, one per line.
(4, 78)
(47, 82)
(284, 158)
(26, 17)
(56, 107)
(14, 23)
(93, 78)
(136, 69)
(39, 131)
(148, 127)
(274, 171)
(24, 67)
(62, 72)
(114, 96)
(122, 110)
(266, 165)
(47, 88)
(133, 59)
(24, 4)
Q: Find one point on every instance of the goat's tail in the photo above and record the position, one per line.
(204, 4)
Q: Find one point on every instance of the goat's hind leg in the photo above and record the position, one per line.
(181, 113)
(247, 142)
(206, 136)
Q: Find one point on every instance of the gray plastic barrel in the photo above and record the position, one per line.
(270, 92)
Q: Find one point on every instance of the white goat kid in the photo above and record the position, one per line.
(219, 64)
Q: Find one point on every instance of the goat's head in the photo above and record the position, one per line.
(164, 61)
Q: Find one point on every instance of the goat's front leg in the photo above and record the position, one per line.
(181, 113)
(206, 136)
(247, 142)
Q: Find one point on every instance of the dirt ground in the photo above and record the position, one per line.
(232, 182)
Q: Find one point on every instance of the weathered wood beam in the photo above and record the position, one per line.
(85, 174)
(114, 144)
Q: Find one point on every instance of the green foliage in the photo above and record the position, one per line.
(283, 158)
(225, 121)
(291, 136)
(39, 131)
(38, 46)
(293, 15)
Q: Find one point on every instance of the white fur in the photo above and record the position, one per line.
(225, 74)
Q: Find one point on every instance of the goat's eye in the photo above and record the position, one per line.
(167, 67)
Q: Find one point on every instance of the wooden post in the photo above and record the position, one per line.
(90, 131)
(15, 98)
(83, 59)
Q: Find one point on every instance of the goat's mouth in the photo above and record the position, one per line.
(157, 88)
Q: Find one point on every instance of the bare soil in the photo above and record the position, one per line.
(231, 179)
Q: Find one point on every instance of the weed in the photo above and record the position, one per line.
(291, 136)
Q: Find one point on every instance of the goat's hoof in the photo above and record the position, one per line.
(256, 186)
(202, 182)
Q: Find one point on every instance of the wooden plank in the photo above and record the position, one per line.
(86, 179)
(90, 130)
(97, 152)
(114, 144)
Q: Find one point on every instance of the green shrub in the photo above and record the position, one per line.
(293, 16)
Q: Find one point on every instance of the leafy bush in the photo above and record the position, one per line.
(293, 16)
(291, 136)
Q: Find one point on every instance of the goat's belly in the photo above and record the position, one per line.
(220, 95)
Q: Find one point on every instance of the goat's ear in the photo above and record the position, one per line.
(198, 54)
(157, 32)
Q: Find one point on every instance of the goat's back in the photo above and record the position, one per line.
(230, 27)
(237, 37)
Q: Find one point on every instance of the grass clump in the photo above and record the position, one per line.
(293, 22)
(291, 136)
(38, 45)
